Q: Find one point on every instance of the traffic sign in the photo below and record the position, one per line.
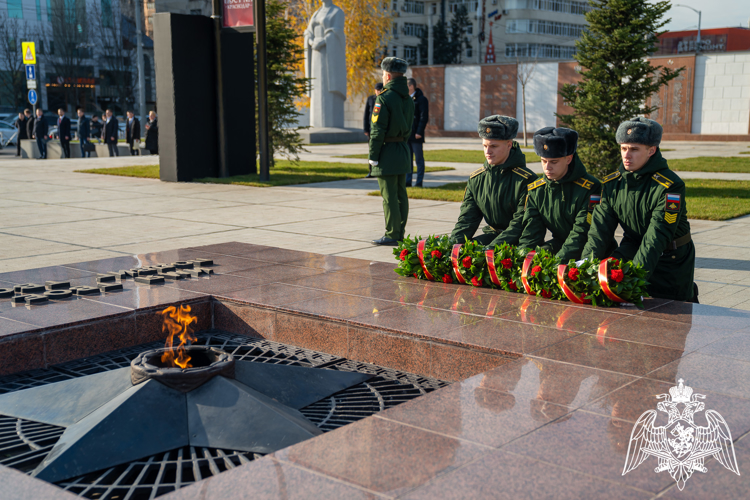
(30, 72)
(32, 97)
(28, 49)
(30, 84)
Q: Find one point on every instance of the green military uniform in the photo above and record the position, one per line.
(390, 155)
(563, 207)
(495, 193)
(650, 206)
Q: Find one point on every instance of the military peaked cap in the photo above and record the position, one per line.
(551, 142)
(394, 65)
(499, 127)
(639, 130)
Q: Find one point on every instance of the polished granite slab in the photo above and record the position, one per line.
(544, 397)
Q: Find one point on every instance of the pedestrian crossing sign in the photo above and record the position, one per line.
(28, 49)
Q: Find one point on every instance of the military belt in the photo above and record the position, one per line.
(681, 241)
(395, 139)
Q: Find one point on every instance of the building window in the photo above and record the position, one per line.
(471, 5)
(38, 10)
(563, 6)
(544, 27)
(15, 8)
(394, 6)
(541, 51)
(106, 13)
(469, 52)
(413, 7)
(394, 51)
(411, 29)
(410, 54)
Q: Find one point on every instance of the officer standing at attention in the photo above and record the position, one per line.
(390, 156)
(648, 200)
(497, 191)
(561, 201)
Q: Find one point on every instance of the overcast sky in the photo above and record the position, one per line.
(715, 14)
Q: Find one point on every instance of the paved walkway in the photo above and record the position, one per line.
(52, 215)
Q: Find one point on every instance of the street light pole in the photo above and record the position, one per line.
(216, 6)
(139, 55)
(263, 145)
(698, 40)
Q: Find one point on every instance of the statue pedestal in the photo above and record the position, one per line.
(331, 135)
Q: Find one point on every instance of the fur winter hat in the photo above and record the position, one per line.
(394, 65)
(499, 127)
(639, 130)
(551, 142)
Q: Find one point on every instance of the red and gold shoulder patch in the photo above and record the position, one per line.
(376, 112)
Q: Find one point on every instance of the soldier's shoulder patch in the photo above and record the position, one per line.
(584, 183)
(662, 180)
(674, 200)
(477, 172)
(611, 177)
(535, 184)
(376, 112)
(526, 174)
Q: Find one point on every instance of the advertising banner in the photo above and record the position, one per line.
(238, 13)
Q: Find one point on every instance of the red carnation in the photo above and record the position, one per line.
(415, 275)
(436, 254)
(466, 262)
(573, 274)
(535, 269)
(507, 263)
(447, 279)
(403, 254)
(617, 275)
(475, 281)
(614, 262)
(546, 294)
(512, 285)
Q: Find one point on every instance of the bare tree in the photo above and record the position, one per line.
(525, 74)
(13, 77)
(115, 53)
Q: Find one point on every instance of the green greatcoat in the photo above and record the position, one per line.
(650, 206)
(497, 194)
(391, 124)
(565, 208)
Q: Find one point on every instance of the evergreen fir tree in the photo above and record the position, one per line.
(442, 47)
(459, 41)
(617, 79)
(285, 86)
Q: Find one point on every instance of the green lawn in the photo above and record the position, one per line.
(706, 198)
(711, 164)
(460, 156)
(283, 174)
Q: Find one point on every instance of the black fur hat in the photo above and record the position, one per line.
(639, 130)
(499, 127)
(551, 142)
(394, 65)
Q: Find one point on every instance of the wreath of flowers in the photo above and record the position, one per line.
(504, 267)
(469, 264)
(434, 256)
(539, 275)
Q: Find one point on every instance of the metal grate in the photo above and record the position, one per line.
(24, 444)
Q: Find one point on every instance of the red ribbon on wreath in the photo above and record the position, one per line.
(420, 254)
(525, 272)
(604, 282)
(562, 270)
(454, 260)
(490, 254)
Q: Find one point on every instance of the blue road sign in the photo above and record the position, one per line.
(30, 72)
(32, 97)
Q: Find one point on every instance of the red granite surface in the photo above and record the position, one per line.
(545, 393)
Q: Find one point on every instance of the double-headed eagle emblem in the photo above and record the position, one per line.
(681, 446)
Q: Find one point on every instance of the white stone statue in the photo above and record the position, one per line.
(325, 64)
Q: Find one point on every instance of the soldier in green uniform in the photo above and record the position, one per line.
(648, 200)
(390, 156)
(561, 201)
(495, 192)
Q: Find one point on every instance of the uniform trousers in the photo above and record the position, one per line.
(113, 151)
(65, 145)
(395, 204)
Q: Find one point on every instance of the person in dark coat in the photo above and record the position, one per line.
(40, 133)
(20, 124)
(83, 133)
(111, 133)
(152, 133)
(30, 119)
(368, 115)
(96, 128)
(421, 117)
(63, 132)
(133, 134)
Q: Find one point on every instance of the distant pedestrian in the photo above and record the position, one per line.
(152, 133)
(133, 134)
(63, 132)
(83, 133)
(30, 119)
(111, 133)
(20, 125)
(103, 136)
(368, 115)
(421, 117)
(96, 128)
(40, 133)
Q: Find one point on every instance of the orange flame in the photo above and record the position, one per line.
(177, 322)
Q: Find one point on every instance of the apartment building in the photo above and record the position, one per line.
(500, 30)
